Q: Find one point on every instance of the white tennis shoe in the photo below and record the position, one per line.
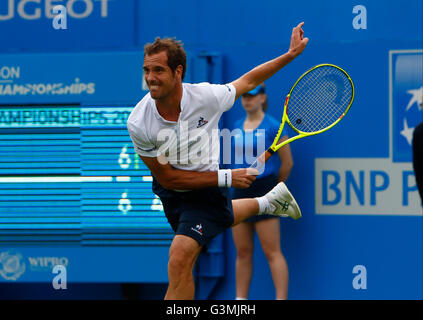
(282, 202)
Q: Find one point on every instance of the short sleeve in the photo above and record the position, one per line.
(141, 143)
(225, 95)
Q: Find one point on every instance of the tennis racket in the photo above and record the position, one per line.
(317, 101)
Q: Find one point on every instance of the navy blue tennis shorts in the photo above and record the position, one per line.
(258, 188)
(200, 214)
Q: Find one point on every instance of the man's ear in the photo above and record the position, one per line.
(179, 70)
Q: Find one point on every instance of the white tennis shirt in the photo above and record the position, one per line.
(191, 143)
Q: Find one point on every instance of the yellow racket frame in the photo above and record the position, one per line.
(275, 146)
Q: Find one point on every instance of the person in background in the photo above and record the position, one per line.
(255, 129)
(418, 155)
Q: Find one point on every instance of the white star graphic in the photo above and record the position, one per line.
(417, 97)
(407, 132)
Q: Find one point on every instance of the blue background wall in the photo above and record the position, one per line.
(321, 249)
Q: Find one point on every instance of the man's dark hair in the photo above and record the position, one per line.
(174, 49)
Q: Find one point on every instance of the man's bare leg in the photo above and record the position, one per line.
(243, 209)
(183, 253)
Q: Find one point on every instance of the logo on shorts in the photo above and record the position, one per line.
(201, 122)
(199, 229)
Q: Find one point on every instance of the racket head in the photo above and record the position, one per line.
(319, 99)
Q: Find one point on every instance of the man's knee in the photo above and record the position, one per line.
(178, 264)
(182, 255)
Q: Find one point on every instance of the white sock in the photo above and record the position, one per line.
(240, 298)
(264, 205)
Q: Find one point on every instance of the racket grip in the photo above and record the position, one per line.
(259, 164)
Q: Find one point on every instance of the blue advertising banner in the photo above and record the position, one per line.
(112, 77)
(377, 185)
(83, 24)
(94, 264)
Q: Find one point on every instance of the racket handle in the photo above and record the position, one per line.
(261, 160)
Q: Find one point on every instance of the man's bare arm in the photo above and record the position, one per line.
(259, 74)
(176, 179)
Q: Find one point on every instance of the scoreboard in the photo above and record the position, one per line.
(69, 176)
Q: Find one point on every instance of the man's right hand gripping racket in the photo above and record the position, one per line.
(317, 101)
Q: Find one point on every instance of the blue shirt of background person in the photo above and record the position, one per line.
(245, 143)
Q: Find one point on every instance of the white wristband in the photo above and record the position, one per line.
(224, 178)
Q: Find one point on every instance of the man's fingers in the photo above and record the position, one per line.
(297, 32)
(298, 29)
(252, 171)
(249, 181)
(244, 184)
(243, 178)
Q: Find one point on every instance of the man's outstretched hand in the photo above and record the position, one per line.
(298, 42)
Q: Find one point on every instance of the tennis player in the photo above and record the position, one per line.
(173, 129)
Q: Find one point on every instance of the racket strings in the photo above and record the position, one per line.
(319, 99)
(319, 94)
(317, 110)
